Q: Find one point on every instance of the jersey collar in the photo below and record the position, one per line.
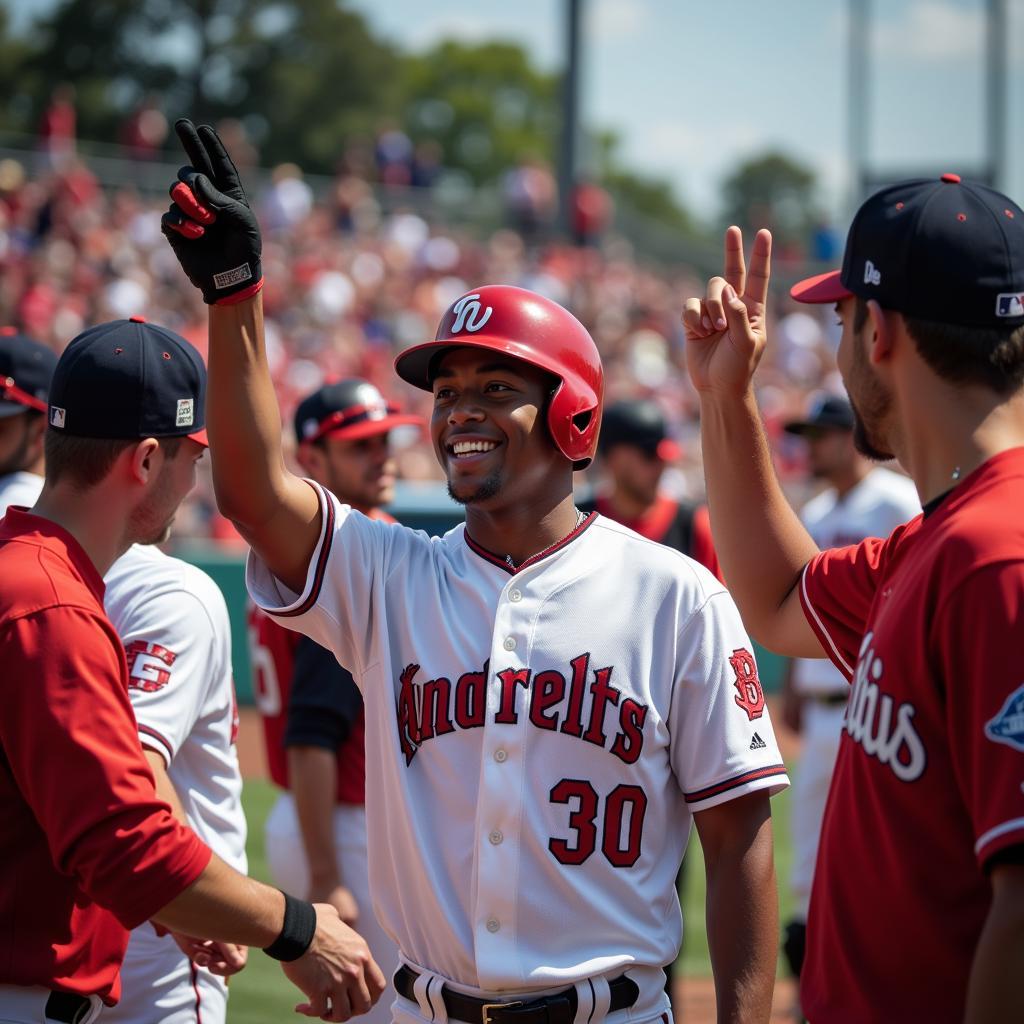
(502, 563)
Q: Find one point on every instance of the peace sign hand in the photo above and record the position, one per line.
(725, 331)
(210, 225)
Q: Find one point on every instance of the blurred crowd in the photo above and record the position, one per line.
(349, 283)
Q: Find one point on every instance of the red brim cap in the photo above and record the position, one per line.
(820, 289)
(668, 450)
(370, 428)
(200, 438)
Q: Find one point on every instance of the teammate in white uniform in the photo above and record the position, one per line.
(174, 624)
(551, 699)
(26, 367)
(862, 500)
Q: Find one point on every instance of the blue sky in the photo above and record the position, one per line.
(693, 87)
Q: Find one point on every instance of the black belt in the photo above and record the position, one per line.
(67, 1008)
(557, 1009)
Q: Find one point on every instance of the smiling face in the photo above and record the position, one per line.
(489, 429)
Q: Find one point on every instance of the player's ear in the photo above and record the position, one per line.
(143, 460)
(880, 331)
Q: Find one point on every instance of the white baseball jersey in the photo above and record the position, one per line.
(174, 624)
(19, 489)
(537, 740)
(873, 508)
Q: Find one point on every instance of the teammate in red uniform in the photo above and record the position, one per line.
(636, 448)
(88, 851)
(917, 908)
(312, 710)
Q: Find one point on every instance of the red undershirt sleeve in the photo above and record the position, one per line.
(69, 734)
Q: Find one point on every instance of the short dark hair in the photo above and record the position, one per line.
(85, 461)
(990, 356)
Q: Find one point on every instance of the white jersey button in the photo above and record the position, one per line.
(500, 756)
(510, 643)
(496, 837)
(493, 925)
(515, 595)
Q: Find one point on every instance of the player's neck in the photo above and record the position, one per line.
(845, 481)
(628, 507)
(523, 530)
(87, 517)
(946, 439)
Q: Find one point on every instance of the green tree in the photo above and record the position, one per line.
(772, 190)
(484, 103)
(306, 73)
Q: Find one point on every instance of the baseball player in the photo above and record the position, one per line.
(861, 500)
(917, 906)
(89, 850)
(312, 711)
(26, 367)
(636, 447)
(550, 698)
(173, 622)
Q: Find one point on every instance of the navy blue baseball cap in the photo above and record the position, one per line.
(26, 367)
(943, 249)
(826, 412)
(348, 409)
(128, 379)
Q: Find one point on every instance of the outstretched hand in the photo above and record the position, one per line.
(210, 225)
(725, 330)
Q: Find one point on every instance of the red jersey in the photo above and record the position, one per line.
(273, 652)
(87, 850)
(927, 785)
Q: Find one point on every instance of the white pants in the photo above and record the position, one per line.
(822, 727)
(286, 857)
(26, 1004)
(159, 983)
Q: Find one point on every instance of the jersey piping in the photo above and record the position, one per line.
(322, 555)
(997, 831)
(502, 563)
(819, 628)
(737, 780)
(166, 751)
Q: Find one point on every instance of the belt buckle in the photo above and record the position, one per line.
(485, 1010)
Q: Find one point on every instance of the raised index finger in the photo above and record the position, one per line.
(735, 269)
(760, 268)
(193, 146)
(225, 174)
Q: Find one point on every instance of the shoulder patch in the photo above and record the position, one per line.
(1008, 726)
(149, 665)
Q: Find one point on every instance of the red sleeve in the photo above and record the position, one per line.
(836, 591)
(702, 544)
(977, 633)
(69, 734)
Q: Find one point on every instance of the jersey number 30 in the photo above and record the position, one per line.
(622, 824)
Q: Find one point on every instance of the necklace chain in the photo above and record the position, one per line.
(580, 516)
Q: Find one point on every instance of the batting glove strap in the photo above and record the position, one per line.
(297, 931)
(210, 225)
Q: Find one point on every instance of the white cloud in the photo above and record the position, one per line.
(616, 19)
(932, 30)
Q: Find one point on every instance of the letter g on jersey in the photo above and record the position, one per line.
(468, 314)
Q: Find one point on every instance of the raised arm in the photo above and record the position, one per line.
(217, 240)
(761, 544)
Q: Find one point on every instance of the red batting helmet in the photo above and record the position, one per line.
(540, 332)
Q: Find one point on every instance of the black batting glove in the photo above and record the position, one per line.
(210, 224)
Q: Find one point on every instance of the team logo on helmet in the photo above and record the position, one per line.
(468, 314)
(1008, 726)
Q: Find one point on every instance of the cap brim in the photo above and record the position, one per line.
(820, 289)
(200, 438)
(668, 450)
(370, 428)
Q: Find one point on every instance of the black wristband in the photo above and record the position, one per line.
(297, 931)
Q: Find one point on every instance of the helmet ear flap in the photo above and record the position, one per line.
(573, 424)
